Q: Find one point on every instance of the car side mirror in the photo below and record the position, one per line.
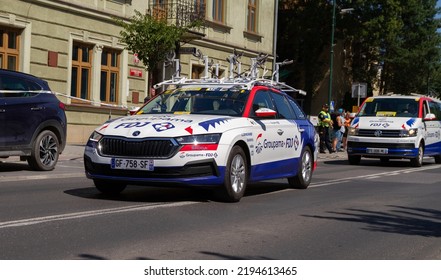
(430, 117)
(265, 113)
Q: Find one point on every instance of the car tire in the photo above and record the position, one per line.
(109, 187)
(236, 176)
(354, 160)
(437, 159)
(304, 174)
(418, 160)
(384, 160)
(45, 151)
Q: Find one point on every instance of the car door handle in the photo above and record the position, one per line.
(36, 108)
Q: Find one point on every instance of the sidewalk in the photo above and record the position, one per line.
(72, 152)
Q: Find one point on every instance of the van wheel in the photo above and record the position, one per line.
(236, 176)
(304, 174)
(45, 151)
(109, 187)
(437, 159)
(354, 160)
(418, 161)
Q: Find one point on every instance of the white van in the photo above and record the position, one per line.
(396, 126)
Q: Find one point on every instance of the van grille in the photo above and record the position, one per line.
(143, 148)
(379, 133)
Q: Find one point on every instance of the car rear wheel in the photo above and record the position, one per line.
(304, 174)
(45, 152)
(418, 160)
(109, 187)
(236, 176)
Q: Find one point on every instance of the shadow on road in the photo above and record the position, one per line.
(400, 220)
(172, 194)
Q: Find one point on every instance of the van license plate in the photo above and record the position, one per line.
(377, 151)
(132, 164)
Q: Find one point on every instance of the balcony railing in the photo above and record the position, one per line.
(179, 12)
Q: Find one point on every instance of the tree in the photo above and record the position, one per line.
(304, 30)
(152, 39)
(399, 38)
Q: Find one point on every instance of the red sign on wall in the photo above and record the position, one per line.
(135, 73)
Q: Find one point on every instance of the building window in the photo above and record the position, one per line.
(109, 76)
(9, 49)
(252, 16)
(199, 8)
(218, 10)
(160, 9)
(81, 71)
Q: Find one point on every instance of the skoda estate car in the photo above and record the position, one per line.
(218, 134)
(32, 120)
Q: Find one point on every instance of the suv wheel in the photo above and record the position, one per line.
(45, 151)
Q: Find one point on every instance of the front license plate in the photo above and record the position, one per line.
(132, 164)
(377, 151)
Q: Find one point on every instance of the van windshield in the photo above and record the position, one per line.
(389, 107)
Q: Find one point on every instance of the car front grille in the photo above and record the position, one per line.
(143, 148)
(379, 133)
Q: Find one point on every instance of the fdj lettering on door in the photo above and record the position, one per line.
(132, 124)
(288, 143)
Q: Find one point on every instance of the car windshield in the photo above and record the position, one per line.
(389, 107)
(218, 101)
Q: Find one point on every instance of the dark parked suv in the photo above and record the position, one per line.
(32, 120)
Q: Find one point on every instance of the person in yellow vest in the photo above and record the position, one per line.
(324, 128)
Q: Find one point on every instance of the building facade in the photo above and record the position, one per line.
(75, 46)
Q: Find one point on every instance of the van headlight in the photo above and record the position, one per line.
(353, 131)
(409, 132)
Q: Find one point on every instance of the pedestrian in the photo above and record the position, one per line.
(347, 123)
(338, 130)
(324, 128)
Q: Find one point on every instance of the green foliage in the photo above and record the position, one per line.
(150, 38)
(398, 39)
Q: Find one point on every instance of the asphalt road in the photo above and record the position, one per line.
(365, 212)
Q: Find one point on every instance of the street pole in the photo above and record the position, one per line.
(331, 64)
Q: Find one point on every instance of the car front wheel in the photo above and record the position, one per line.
(45, 152)
(304, 174)
(236, 176)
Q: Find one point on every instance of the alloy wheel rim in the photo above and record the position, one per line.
(306, 167)
(48, 150)
(237, 173)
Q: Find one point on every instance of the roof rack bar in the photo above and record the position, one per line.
(246, 81)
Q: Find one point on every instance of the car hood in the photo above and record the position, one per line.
(169, 125)
(384, 122)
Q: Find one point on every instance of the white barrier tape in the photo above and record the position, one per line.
(67, 96)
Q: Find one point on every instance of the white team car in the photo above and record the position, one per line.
(213, 134)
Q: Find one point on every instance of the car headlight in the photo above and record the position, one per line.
(199, 142)
(353, 131)
(95, 137)
(199, 139)
(409, 132)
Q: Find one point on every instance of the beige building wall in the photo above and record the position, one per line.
(48, 29)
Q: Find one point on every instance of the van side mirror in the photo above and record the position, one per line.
(429, 117)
